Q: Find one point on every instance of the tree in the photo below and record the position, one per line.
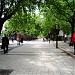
(26, 23)
(54, 11)
(7, 9)
(63, 10)
(10, 7)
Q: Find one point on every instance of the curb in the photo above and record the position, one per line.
(68, 53)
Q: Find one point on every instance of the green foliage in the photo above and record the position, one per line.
(54, 12)
(26, 23)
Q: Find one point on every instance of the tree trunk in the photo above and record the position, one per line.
(72, 29)
(1, 23)
(73, 24)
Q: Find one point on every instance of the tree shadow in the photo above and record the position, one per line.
(10, 48)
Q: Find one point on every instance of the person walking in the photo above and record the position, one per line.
(22, 39)
(65, 37)
(5, 43)
(49, 37)
(12, 38)
(73, 41)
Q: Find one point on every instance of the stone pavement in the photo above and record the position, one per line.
(37, 58)
(66, 48)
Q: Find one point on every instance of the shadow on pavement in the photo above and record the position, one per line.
(5, 71)
(10, 48)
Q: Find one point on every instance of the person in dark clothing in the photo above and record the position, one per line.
(5, 43)
(49, 37)
(12, 39)
(21, 39)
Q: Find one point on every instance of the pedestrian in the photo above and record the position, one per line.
(5, 43)
(18, 41)
(73, 41)
(65, 37)
(49, 37)
(12, 39)
(22, 39)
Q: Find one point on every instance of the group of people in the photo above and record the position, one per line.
(5, 43)
(19, 40)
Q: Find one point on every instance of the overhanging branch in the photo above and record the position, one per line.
(69, 5)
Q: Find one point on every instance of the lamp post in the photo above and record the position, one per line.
(57, 32)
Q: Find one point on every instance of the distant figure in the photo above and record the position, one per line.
(5, 43)
(21, 39)
(65, 38)
(18, 41)
(18, 36)
(12, 39)
(49, 37)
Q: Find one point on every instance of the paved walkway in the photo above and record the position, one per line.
(37, 58)
(66, 48)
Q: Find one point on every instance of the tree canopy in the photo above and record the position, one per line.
(10, 7)
(55, 12)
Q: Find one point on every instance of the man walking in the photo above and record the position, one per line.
(5, 43)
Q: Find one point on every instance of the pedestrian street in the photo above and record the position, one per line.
(37, 58)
